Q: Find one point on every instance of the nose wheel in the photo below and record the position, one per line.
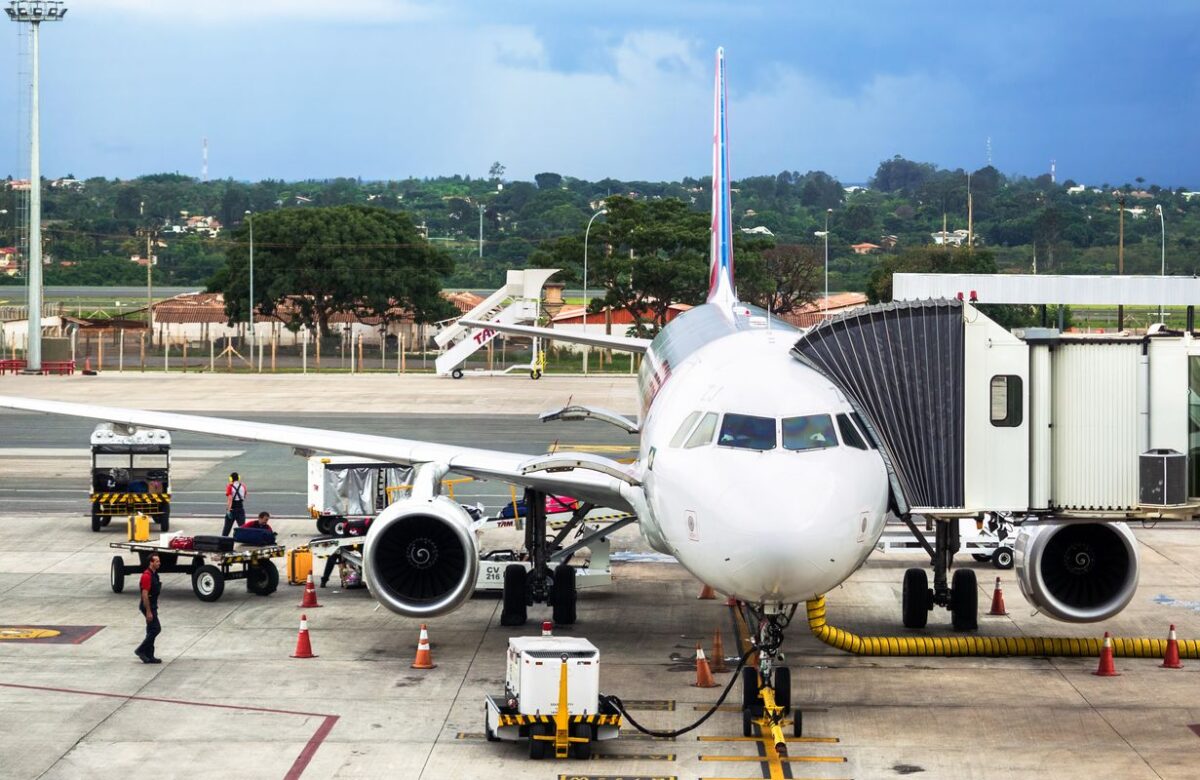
(767, 690)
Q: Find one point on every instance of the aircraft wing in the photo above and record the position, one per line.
(623, 343)
(609, 484)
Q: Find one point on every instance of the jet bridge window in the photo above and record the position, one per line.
(811, 432)
(704, 432)
(747, 432)
(1006, 401)
(681, 434)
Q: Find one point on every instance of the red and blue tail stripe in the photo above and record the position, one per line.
(720, 282)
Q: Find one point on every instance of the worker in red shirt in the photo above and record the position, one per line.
(150, 587)
(235, 503)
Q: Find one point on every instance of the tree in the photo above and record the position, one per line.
(901, 175)
(496, 171)
(548, 181)
(324, 260)
(793, 275)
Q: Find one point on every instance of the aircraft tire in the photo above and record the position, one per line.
(565, 596)
(964, 600)
(515, 609)
(914, 599)
(783, 687)
(749, 688)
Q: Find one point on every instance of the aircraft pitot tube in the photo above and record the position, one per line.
(1081, 572)
(420, 558)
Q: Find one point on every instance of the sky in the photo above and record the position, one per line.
(387, 89)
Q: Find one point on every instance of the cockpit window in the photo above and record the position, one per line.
(858, 422)
(747, 432)
(850, 435)
(704, 432)
(811, 432)
(681, 434)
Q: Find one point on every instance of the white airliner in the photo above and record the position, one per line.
(754, 471)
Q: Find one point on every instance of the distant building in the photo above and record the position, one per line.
(1189, 195)
(67, 184)
(853, 188)
(824, 308)
(951, 237)
(760, 230)
(888, 242)
(865, 248)
(1136, 212)
(10, 263)
(19, 185)
(1078, 189)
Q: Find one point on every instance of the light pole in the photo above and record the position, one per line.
(250, 220)
(1162, 316)
(585, 294)
(34, 12)
(825, 234)
(481, 207)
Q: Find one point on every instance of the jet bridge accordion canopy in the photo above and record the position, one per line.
(901, 366)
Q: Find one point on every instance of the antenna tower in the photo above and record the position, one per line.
(1052, 179)
(989, 150)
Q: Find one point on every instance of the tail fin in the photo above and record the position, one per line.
(720, 279)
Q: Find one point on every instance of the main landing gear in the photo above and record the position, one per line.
(537, 583)
(767, 690)
(960, 596)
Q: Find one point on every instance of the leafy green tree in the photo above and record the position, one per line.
(548, 181)
(792, 274)
(324, 260)
(901, 175)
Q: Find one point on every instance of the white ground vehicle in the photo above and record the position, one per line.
(131, 474)
(551, 697)
(344, 488)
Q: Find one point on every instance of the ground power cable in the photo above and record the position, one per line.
(616, 702)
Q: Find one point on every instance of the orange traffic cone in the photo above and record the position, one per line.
(707, 593)
(998, 600)
(310, 595)
(1106, 668)
(424, 659)
(1171, 657)
(704, 678)
(303, 643)
(718, 661)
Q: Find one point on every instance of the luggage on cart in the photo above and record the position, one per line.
(355, 527)
(213, 543)
(253, 536)
(138, 528)
(299, 565)
(182, 543)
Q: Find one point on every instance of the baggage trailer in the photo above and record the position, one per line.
(209, 570)
(131, 474)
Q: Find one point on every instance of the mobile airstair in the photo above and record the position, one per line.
(519, 301)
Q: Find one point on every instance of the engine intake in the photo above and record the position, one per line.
(1077, 572)
(420, 557)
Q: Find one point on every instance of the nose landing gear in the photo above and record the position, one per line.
(767, 690)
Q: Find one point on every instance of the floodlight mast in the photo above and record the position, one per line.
(34, 12)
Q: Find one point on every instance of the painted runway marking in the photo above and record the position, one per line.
(293, 773)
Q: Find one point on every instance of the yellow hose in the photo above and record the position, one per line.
(994, 646)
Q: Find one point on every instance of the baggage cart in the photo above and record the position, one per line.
(209, 570)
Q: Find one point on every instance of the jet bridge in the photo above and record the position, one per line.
(971, 418)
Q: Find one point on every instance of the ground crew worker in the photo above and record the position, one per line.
(148, 606)
(263, 521)
(235, 503)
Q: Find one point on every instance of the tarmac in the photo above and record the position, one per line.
(228, 698)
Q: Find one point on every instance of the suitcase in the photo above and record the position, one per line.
(212, 544)
(138, 528)
(253, 536)
(299, 565)
(182, 543)
(355, 527)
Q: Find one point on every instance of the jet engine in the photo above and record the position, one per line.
(1077, 572)
(420, 558)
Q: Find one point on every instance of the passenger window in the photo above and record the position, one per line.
(704, 432)
(812, 432)
(862, 427)
(1006, 401)
(681, 434)
(747, 432)
(850, 435)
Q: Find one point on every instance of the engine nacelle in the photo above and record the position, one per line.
(1078, 572)
(420, 558)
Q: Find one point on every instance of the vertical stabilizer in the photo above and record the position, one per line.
(720, 279)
